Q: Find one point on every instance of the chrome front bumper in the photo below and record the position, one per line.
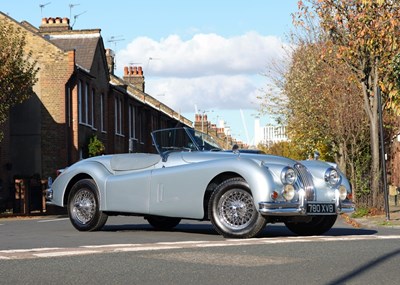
(299, 209)
(48, 194)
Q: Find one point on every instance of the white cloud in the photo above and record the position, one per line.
(208, 92)
(208, 70)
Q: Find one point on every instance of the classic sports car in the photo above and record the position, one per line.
(193, 178)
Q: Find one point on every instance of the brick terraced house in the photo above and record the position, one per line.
(77, 97)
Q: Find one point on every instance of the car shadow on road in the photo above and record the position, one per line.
(207, 229)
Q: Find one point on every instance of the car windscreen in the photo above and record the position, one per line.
(183, 139)
(204, 141)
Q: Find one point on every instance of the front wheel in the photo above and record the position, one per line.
(83, 206)
(317, 226)
(232, 211)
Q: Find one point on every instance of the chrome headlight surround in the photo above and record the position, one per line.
(332, 177)
(288, 176)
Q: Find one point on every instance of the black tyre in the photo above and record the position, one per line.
(83, 206)
(163, 223)
(232, 211)
(317, 226)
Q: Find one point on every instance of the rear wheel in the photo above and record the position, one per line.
(232, 211)
(83, 206)
(317, 226)
(163, 223)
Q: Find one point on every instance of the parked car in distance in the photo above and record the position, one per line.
(192, 177)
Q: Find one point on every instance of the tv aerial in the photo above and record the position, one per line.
(76, 16)
(115, 39)
(70, 9)
(42, 6)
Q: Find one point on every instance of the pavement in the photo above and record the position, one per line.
(375, 219)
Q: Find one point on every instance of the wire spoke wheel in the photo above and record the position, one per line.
(83, 206)
(236, 209)
(232, 211)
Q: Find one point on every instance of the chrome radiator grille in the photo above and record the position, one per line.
(306, 181)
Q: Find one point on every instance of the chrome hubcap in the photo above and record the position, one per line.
(236, 209)
(84, 206)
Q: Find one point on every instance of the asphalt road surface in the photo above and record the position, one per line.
(48, 250)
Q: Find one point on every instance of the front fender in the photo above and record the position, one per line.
(258, 176)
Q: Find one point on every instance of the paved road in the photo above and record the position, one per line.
(58, 232)
(128, 251)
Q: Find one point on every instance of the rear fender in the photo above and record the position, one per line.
(63, 184)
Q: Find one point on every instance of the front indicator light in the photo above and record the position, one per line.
(274, 195)
(288, 192)
(350, 196)
(342, 192)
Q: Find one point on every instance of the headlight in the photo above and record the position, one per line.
(342, 192)
(288, 176)
(332, 177)
(288, 192)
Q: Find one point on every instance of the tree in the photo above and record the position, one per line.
(284, 148)
(17, 69)
(365, 35)
(320, 103)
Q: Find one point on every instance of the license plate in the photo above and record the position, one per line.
(321, 208)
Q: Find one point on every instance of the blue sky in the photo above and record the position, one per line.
(204, 55)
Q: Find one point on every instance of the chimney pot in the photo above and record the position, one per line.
(134, 76)
(57, 24)
(126, 70)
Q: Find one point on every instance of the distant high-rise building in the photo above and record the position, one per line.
(269, 134)
(273, 134)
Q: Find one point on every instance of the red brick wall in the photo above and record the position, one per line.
(56, 68)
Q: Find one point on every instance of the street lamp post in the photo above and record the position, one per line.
(383, 161)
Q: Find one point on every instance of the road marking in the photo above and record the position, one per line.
(53, 220)
(114, 248)
(64, 253)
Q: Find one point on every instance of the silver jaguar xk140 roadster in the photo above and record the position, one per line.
(192, 177)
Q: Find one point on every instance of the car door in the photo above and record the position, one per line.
(129, 192)
(177, 188)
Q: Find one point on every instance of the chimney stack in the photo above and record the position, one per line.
(57, 24)
(110, 55)
(134, 75)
